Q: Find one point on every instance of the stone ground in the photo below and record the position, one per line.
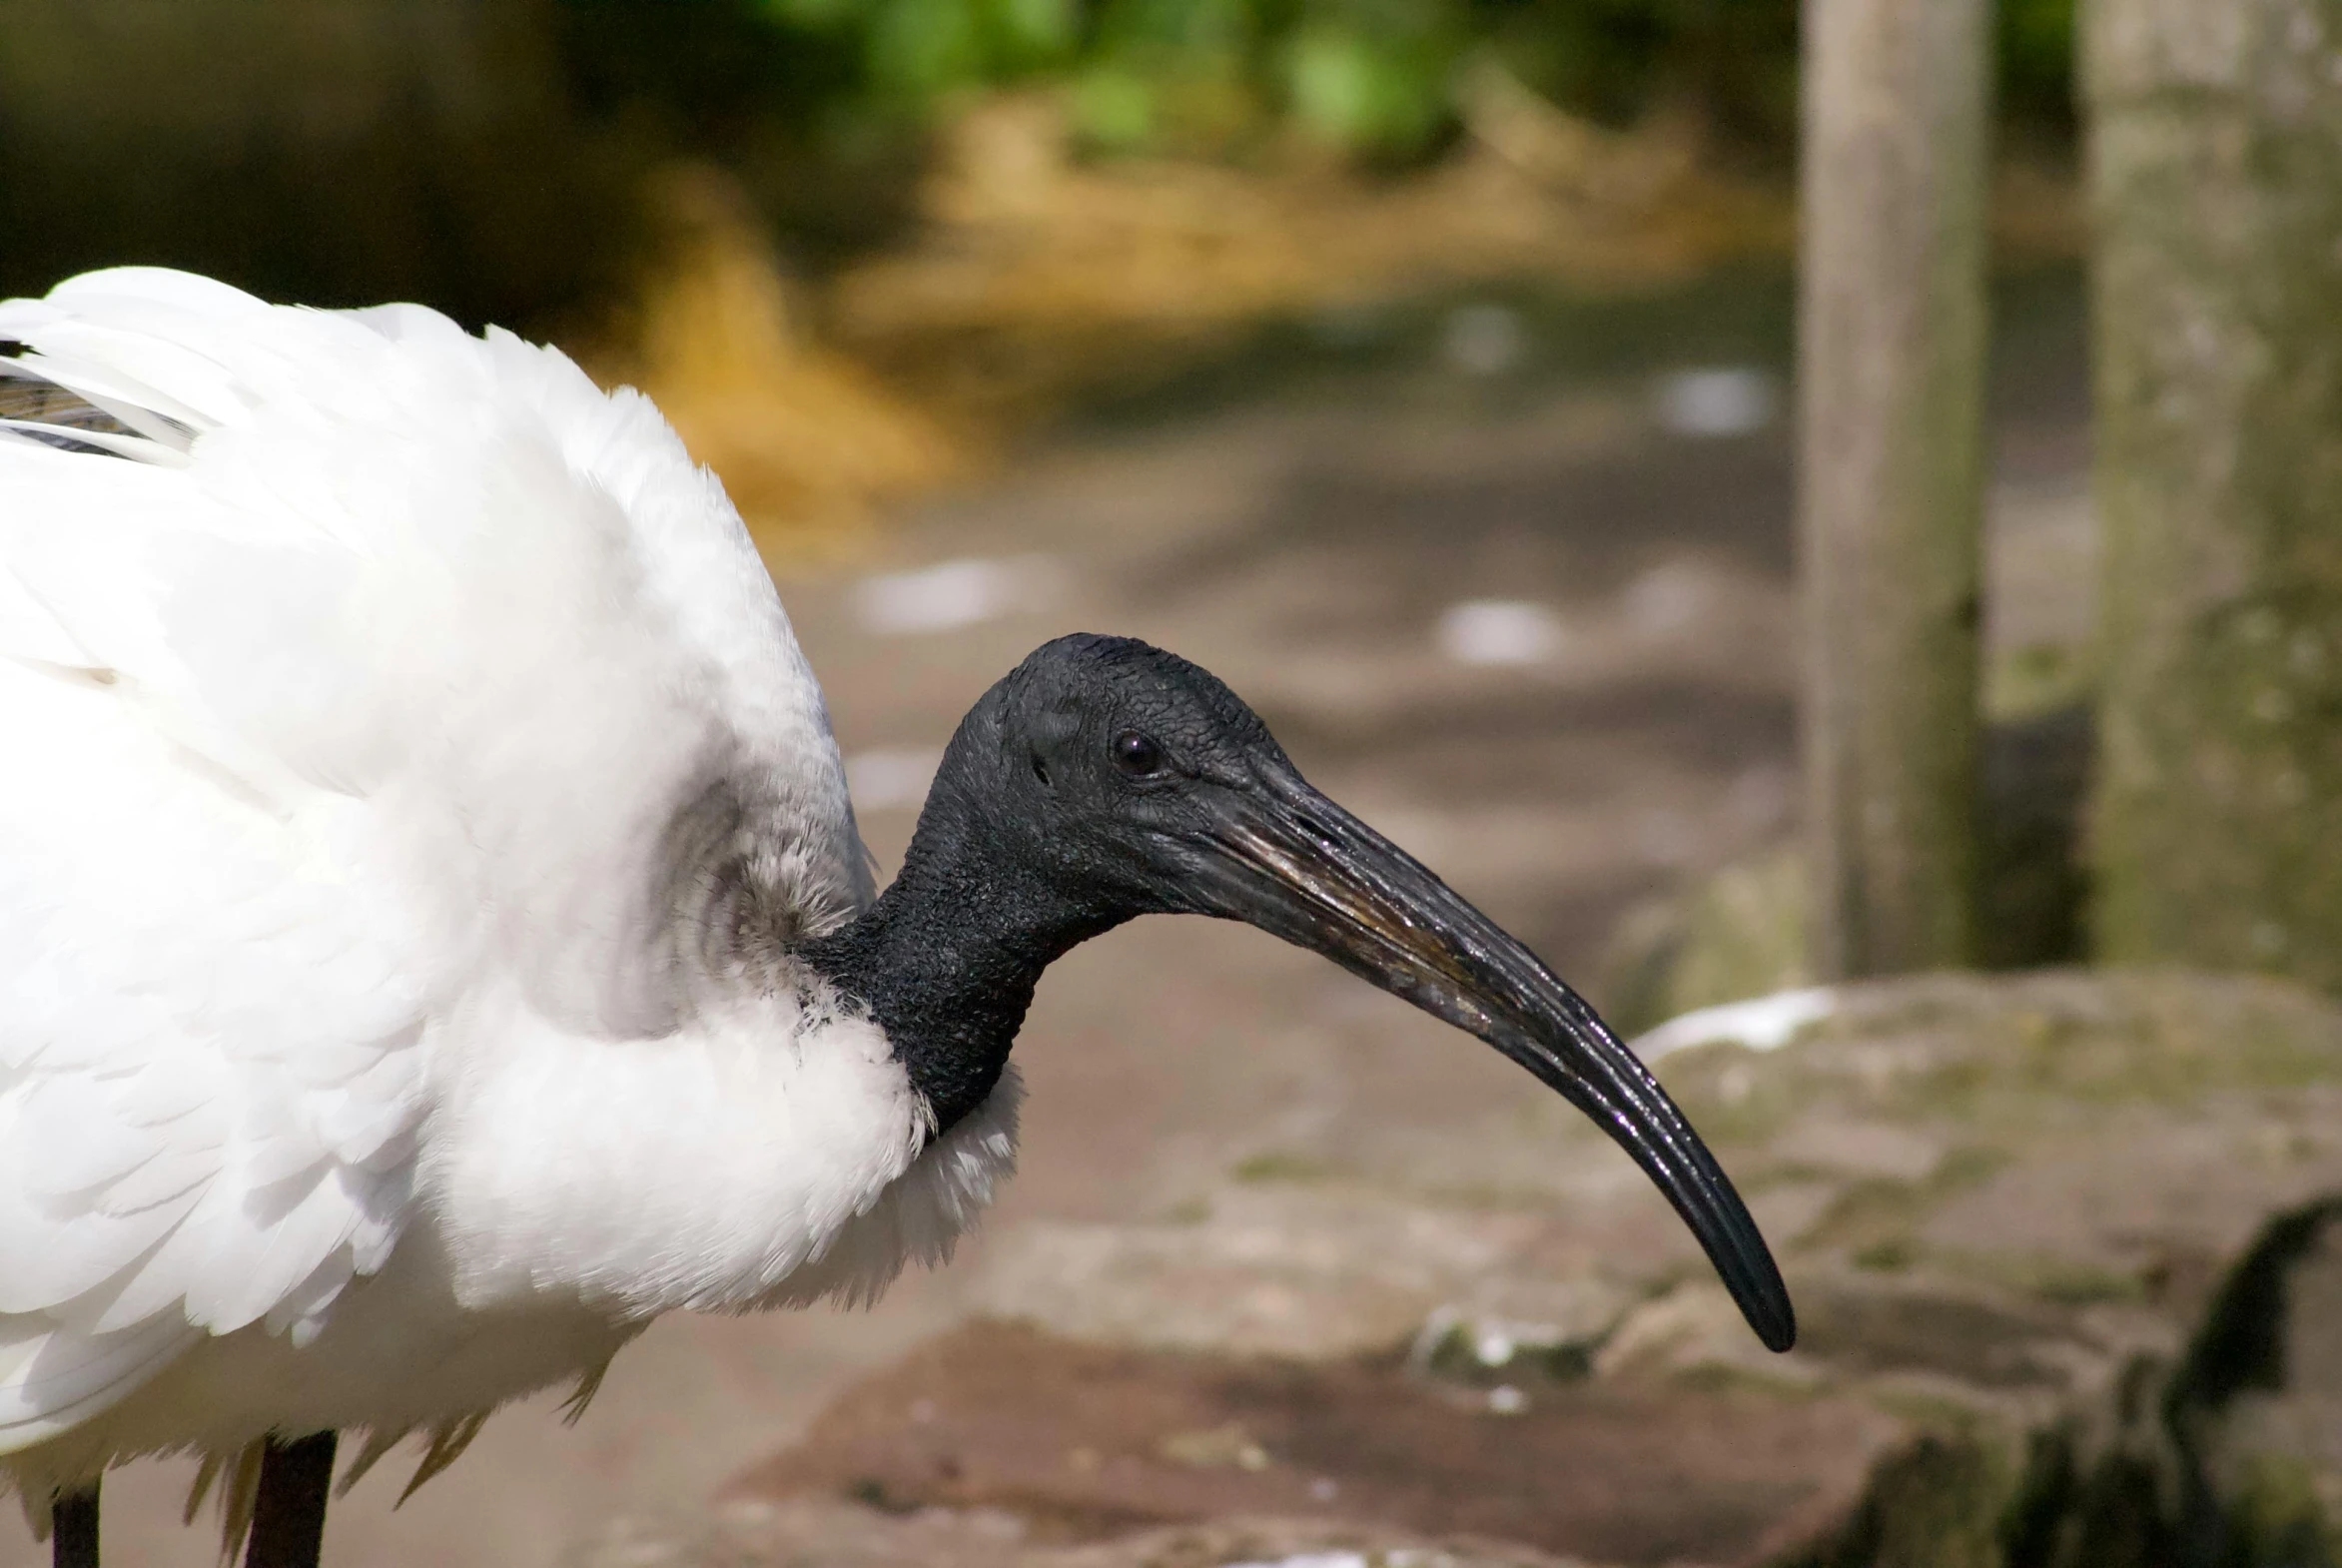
(2064, 1246)
(1621, 724)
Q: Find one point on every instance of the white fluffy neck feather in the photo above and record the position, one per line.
(748, 1160)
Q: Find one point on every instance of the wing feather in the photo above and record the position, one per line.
(358, 663)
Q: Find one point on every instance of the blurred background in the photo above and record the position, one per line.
(1764, 505)
(932, 227)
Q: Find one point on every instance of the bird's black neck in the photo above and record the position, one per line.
(948, 956)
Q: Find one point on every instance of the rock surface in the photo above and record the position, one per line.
(753, 1534)
(1083, 1440)
(2063, 1247)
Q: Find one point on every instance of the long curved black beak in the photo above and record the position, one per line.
(1292, 862)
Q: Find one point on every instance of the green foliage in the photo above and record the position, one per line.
(489, 158)
(1176, 75)
(2036, 45)
(914, 52)
(1372, 77)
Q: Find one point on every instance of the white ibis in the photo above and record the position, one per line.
(434, 939)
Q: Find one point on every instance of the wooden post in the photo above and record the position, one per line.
(2216, 193)
(1892, 341)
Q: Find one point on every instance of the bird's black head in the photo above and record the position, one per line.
(1103, 768)
(1104, 779)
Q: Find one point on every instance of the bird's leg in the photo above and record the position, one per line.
(73, 1528)
(288, 1516)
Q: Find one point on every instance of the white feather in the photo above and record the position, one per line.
(379, 697)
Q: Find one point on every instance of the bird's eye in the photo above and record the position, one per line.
(1137, 754)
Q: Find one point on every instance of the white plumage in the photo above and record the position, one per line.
(393, 724)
